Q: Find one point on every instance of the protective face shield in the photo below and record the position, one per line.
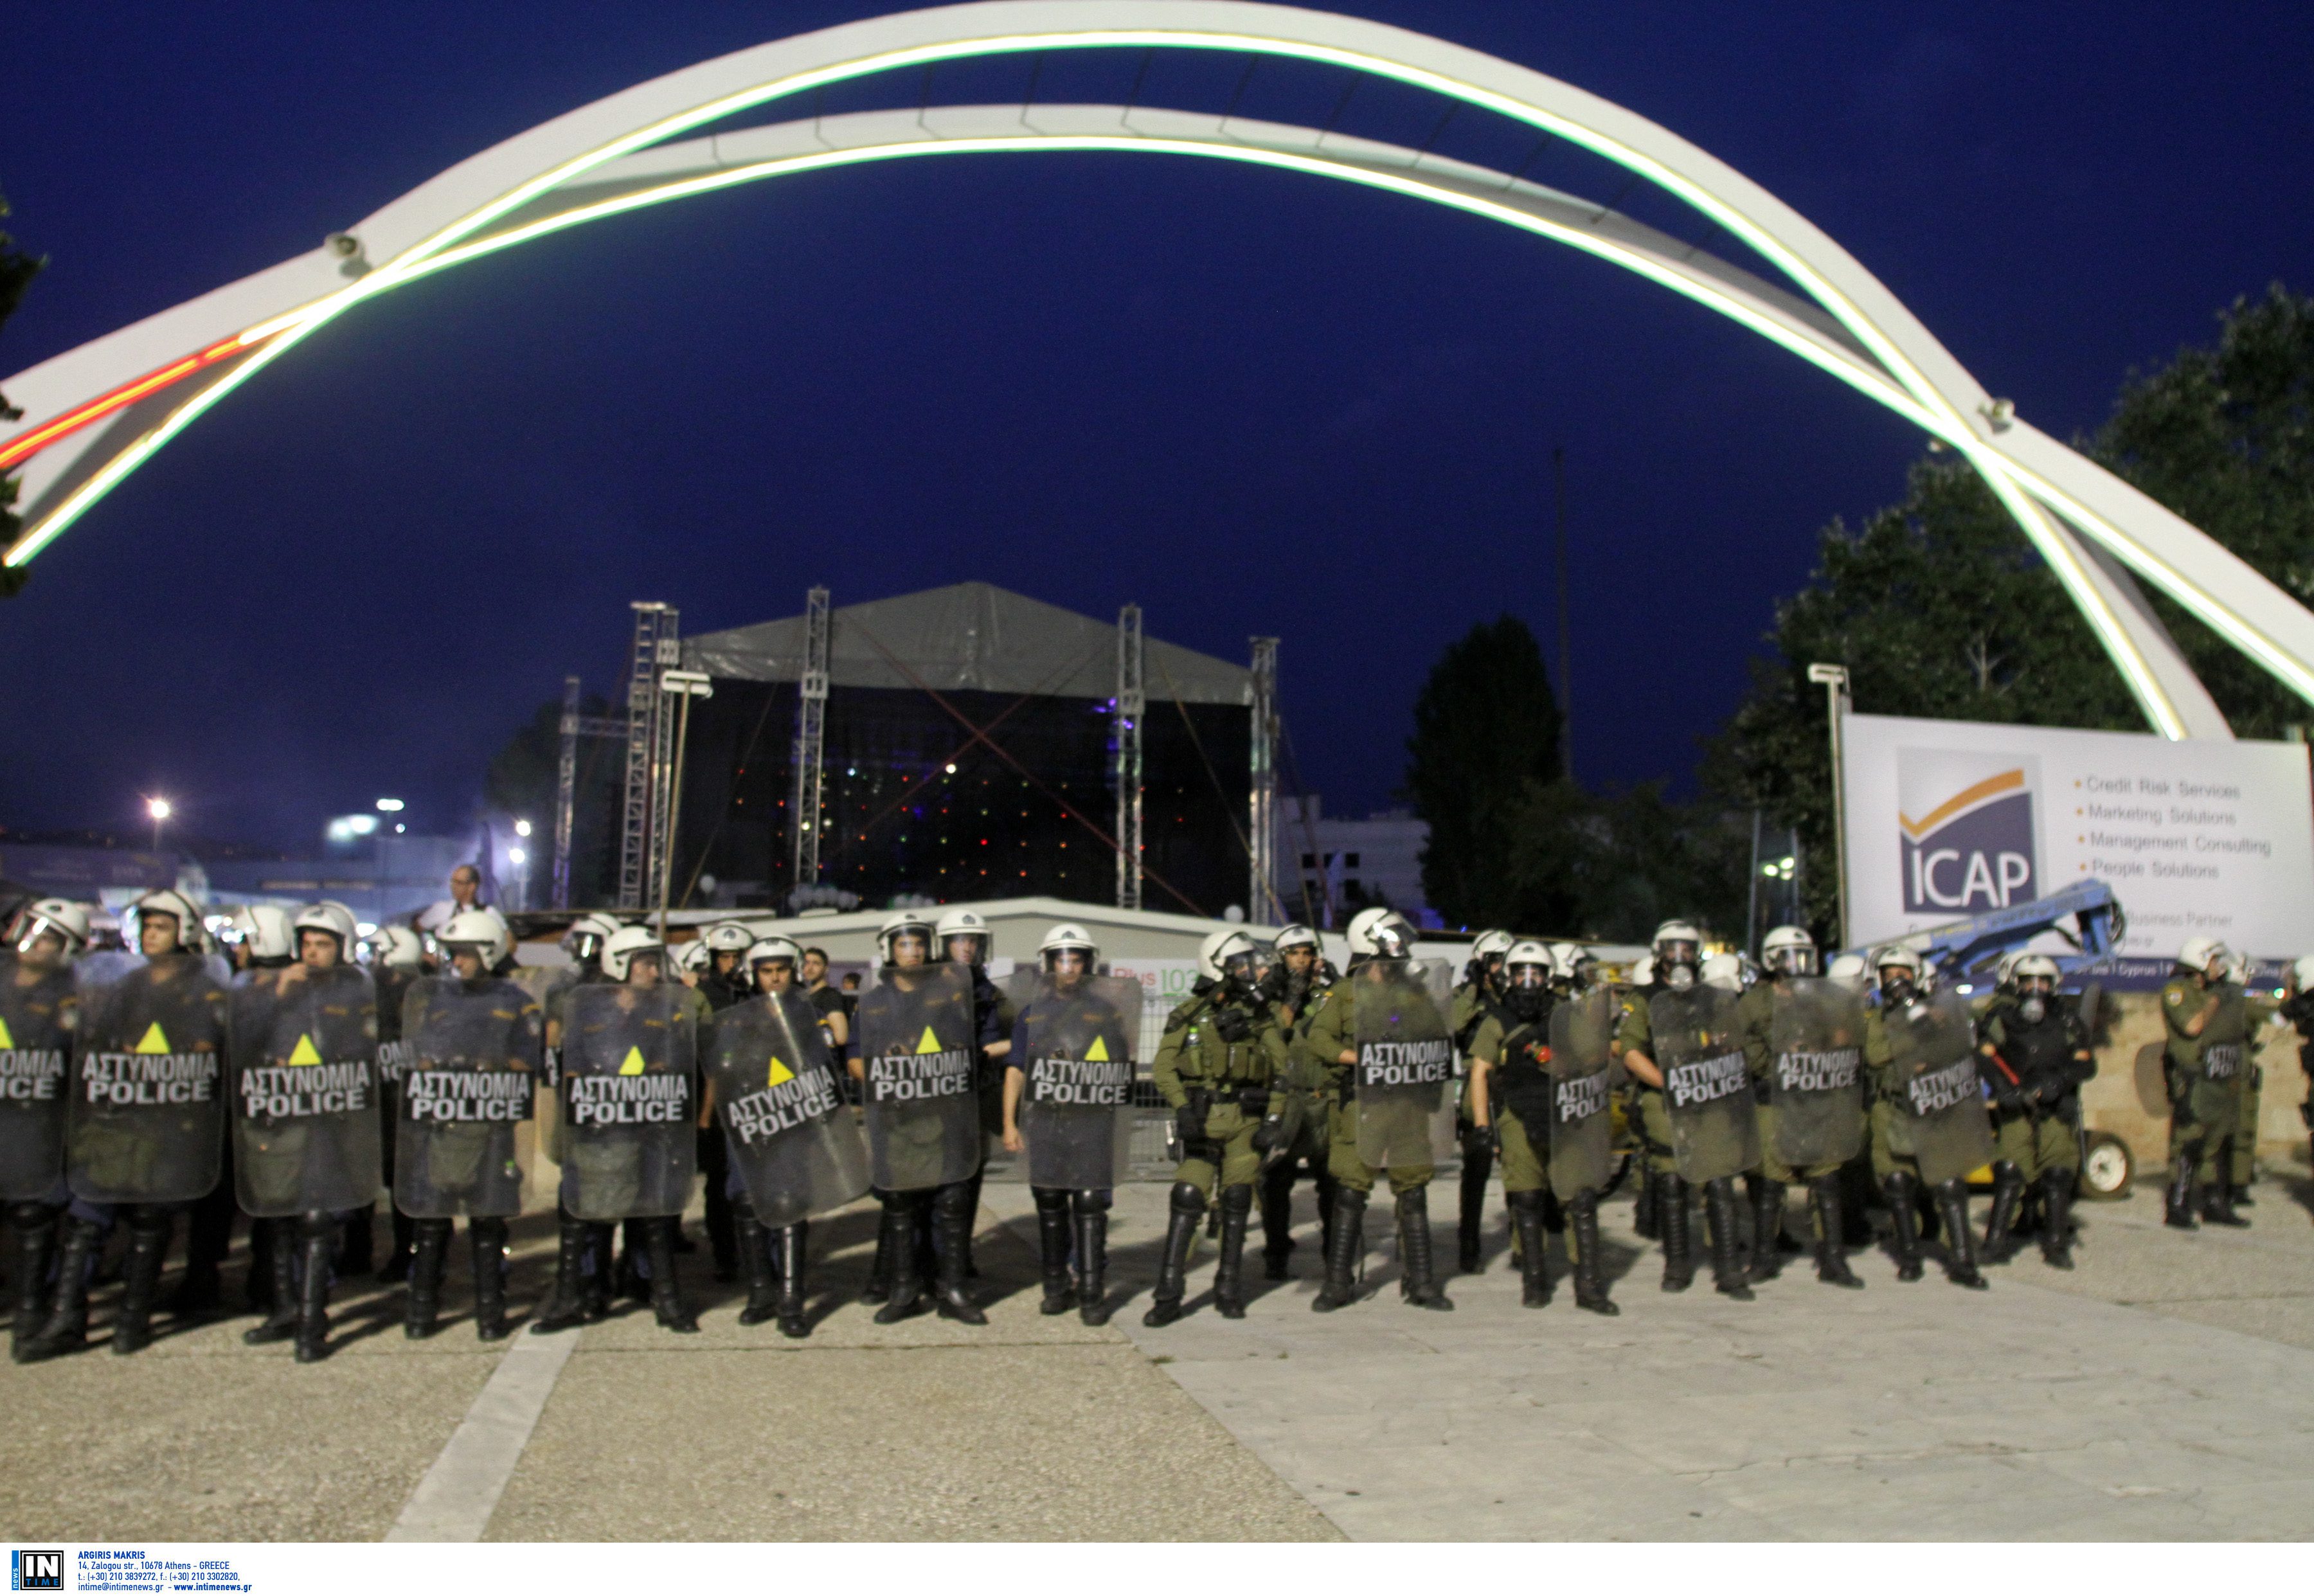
(332, 921)
(1487, 950)
(772, 961)
(692, 957)
(1899, 969)
(1227, 957)
(1527, 970)
(2035, 975)
(1678, 952)
(1292, 937)
(1067, 950)
(2202, 956)
(171, 909)
(634, 953)
(396, 946)
(51, 931)
(963, 936)
(1788, 951)
(262, 932)
(1381, 933)
(475, 940)
(906, 931)
(585, 939)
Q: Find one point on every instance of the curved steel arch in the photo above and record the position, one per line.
(99, 410)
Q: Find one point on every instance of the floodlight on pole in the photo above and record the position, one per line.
(159, 809)
(1833, 679)
(389, 806)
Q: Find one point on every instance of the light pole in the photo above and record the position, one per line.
(518, 856)
(385, 806)
(690, 685)
(160, 810)
(1834, 681)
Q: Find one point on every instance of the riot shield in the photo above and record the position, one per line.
(36, 1019)
(917, 1051)
(473, 1054)
(1715, 1132)
(305, 1091)
(1581, 1129)
(144, 1120)
(1940, 1120)
(1076, 1092)
(1816, 1035)
(630, 1101)
(1405, 1072)
(792, 1139)
(2214, 1093)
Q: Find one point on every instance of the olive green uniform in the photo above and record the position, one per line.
(1525, 1160)
(2036, 1136)
(1879, 1060)
(2203, 1112)
(1635, 1030)
(1755, 1023)
(1236, 1081)
(1304, 1101)
(1474, 1003)
(1331, 1035)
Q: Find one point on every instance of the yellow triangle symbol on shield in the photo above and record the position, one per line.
(304, 1052)
(633, 1064)
(931, 1043)
(1098, 1053)
(780, 1073)
(155, 1041)
(5, 1039)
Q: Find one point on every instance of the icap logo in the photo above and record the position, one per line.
(1969, 842)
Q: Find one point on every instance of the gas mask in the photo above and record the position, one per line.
(2034, 1009)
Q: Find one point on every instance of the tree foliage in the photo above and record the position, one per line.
(17, 271)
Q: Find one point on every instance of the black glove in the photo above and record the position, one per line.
(1266, 1133)
(1190, 1125)
(1233, 1026)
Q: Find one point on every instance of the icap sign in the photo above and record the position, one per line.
(1966, 830)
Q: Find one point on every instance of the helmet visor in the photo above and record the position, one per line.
(1529, 977)
(1793, 961)
(966, 948)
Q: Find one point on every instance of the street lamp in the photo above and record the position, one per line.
(159, 809)
(1833, 679)
(689, 684)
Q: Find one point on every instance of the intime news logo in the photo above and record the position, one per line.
(36, 1571)
(1966, 820)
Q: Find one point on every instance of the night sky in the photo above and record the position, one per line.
(1251, 402)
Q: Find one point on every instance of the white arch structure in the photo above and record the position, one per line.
(93, 414)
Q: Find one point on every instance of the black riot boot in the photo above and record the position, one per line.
(596, 1272)
(1960, 1242)
(1478, 1166)
(954, 1208)
(889, 1237)
(1185, 1209)
(794, 1244)
(2217, 1199)
(1583, 1236)
(1646, 1209)
(396, 1266)
(422, 1301)
(1091, 1212)
(140, 1279)
(35, 1224)
(2178, 1201)
(1766, 1226)
(905, 1289)
(1903, 1223)
(280, 1263)
(1416, 1281)
(755, 1262)
(566, 1307)
(1830, 1243)
(357, 1245)
(1277, 1184)
(486, 1240)
(972, 1215)
(2001, 1220)
(1052, 1250)
(66, 1328)
(1344, 1244)
(259, 1290)
(1526, 1222)
(1229, 1270)
(1727, 1275)
(1672, 1221)
(318, 1248)
(667, 1305)
(2057, 1218)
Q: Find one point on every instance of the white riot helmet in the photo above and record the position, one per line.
(169, 901)
(1575, 965)
(1068, 938)
(962, 924)
(1382, 932)
(2034, 966)
(691, 958)
(1848, 970)
(481, 929)
(2301, 974)
(1489, 945)
(619, 952)
(728, 936)
(767, 950)
(264, 932)
(60, 918)
(2239, 969)
(2197, 953)
(1906, 966)
(334, 917)
(1788, 950)
(396, 946)
(1225, 956)
(1293, 936)
(1643, 970)
(1678, 951)
(1724, 971)
(1528, 967)
(903, 923)
(585, 939)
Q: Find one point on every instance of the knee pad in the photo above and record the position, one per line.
(1049, 1199)
(1091, 1202)
(1188, 1199)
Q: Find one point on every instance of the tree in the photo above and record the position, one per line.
(17, 271)
(1486, 725)
(1612, 867)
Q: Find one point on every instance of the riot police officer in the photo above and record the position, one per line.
(396, 959)
(1376, 1130)
(2209, 1023)
(258, 940)
(962, 938)
(724, 980)
(2035, 1053)
(1928, 1122)
(1477, 996)
(1219, 1069)
(1802, 1043)
(2298, 1009)
(39, 1005)
(1298, 977)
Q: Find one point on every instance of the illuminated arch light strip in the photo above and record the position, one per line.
(471, 195)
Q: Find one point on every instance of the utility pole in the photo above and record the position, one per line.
(1566, 646)
(1261, 835)
(811, 740)
(1834, 681)
(1131, 704)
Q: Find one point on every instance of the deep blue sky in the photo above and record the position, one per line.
(1248, 401)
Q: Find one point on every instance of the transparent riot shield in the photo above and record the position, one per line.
(473, 1059)
(1076, 1090)
(792, 1138)
(1405, 1073)
(630, 1101)
(918, 1053)
(1715, 1132)
(1581, 1128)
(1817, 1033)
(1941, 1121)
(305, 1091)
(145, 1116)
(2214, 1094)
(36, 1019)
